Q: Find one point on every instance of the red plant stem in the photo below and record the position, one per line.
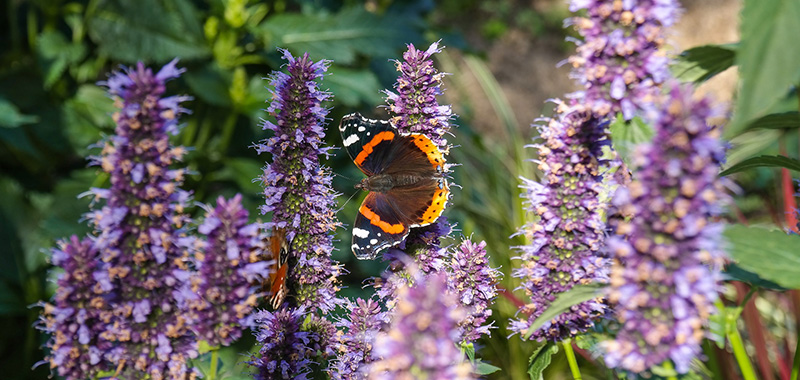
(510, 296)
(755, 331)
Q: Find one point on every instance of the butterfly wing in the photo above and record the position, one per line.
(378, 225)
(368, 142)
(279, 247)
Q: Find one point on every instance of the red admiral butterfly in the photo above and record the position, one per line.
(278, 247)
(405, 179)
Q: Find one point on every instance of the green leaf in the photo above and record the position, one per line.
(767, 64)
(57, 54)
(771, 254)
(737, 273)
(485, 368)
(10, 117)
(86, 115)
(210, 83)
(11, 302)
(242, 171)
(625, 136)
(541, 359)
(564, 301)
(785, 120)
(150, 30)
(763, 161)
(354, 87)
(339, 36)
(701, 63)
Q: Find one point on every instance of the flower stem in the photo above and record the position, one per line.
(796, 363)
(739, 352)
(573, 363)
(212, 372)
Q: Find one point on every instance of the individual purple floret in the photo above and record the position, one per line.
(667, 257)
(619, 61)
(354, 344)
(286, 350)
(225, 295)
(297, 188)
(140, 230)
(413, 103)
(568, 229)
(78, 312)
(475, 284)
(421, 340)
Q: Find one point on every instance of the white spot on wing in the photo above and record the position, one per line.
(360, 233)
(350, 140)
(373, 241)
(361, 129)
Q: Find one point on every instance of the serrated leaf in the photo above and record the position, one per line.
(57, 54)
(626, 135)
(564, 301)
(771, 254)
(338, 36)
(785, 120)
(10, 117)
(152, 30)
(701, 63)
(763, 161)
(353, 87)
(737, 273)
(767, 65)
(541, 359)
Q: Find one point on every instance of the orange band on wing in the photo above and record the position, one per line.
(437, 205)
(430, 149)
(376, 220)
(366, 150)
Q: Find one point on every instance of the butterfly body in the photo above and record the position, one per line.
(405, 180)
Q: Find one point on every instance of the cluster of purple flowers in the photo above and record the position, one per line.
(668, 256)
(228, 268)
(140, 231)
(287, 349)
(297, 188)
(475, 283)
(619, 61)
(421, 336)
(355, 344)
(567, 233)
(78, 313)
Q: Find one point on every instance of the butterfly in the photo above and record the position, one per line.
(405, 180)
(277, 249)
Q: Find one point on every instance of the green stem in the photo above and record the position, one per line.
(573, 363)
(740, 353)
(227, 131)
(796, 363)
(668, 365)
(212, 372)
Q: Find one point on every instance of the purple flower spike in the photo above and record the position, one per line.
(297, 188)
(415, 109)
(475, 283)
(667, 257)
(286, 351)
(413, 105)
(76, 318)
(421, 339)
(567, 233)
(140, 231)
(354, 345)
(619, 61)
(225, 296)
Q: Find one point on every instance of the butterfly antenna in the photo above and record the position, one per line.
(348, 200)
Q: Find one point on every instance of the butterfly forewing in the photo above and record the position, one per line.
(368, 142)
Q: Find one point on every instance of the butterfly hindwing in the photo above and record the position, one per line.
(279, 246)
(377, 226)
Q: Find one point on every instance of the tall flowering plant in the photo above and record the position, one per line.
(667, 257)
(140, 230)
(299, 195)
(567, 233)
